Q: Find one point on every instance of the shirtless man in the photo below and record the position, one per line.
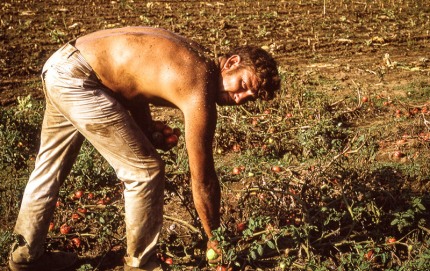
(99, 87)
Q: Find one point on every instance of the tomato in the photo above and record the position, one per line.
(82, 210)
(211, 254)
(236, 147)
(369, 255)
(172, 140)
(236, 170)
(159, 126)
(58, 203)
(167, 131)
(221, 268)
(276, 169)
(289, 115)
(241, 226)
(169, 261)
(391, 240)
(282, 265)
(65, 229)
(79, 194)
(90, 195)
(365, 99)
(76, 216)
(76, 241)
(51, 226)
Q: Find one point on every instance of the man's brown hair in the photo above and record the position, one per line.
(264, 66)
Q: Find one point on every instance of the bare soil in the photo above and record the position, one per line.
(344, 41)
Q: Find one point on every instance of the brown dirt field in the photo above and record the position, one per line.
(344, 41)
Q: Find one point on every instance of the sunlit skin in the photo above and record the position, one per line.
(145, 66)
(237, 85)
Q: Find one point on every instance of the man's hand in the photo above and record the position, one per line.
(163, 137)
(213, 253)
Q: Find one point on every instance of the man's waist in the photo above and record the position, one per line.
(69, 59)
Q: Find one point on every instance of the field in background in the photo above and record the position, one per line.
(333, 174)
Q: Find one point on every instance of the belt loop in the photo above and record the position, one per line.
(43, 82)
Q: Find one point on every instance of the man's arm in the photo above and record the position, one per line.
(200, 123)
(139, 110)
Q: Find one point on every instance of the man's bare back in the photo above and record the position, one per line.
(158, 65)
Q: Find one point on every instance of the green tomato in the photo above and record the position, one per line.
(211, 254)
(282, 265)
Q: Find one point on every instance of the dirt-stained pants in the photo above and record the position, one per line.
(78, 106)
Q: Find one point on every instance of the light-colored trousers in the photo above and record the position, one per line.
(78, 106)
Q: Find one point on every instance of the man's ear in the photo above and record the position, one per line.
(232, 62)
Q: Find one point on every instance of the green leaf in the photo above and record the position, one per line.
(271, 244)
(260, 250)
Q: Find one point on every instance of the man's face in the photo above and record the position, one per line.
(237, 86)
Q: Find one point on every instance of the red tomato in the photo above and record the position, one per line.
(172, 140)
(241, 226)
(236, 170)
(276, 169)
(79, 194)
(90, 195)
(169, 261)
(369, 255)
(51, 226)
(76, 216)
(236, 147)
(82, 210)
(76, 241)
(365, 99)
(221, 268)
(101, 202)
(391, 240)
(65, 229)
(167, 131)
